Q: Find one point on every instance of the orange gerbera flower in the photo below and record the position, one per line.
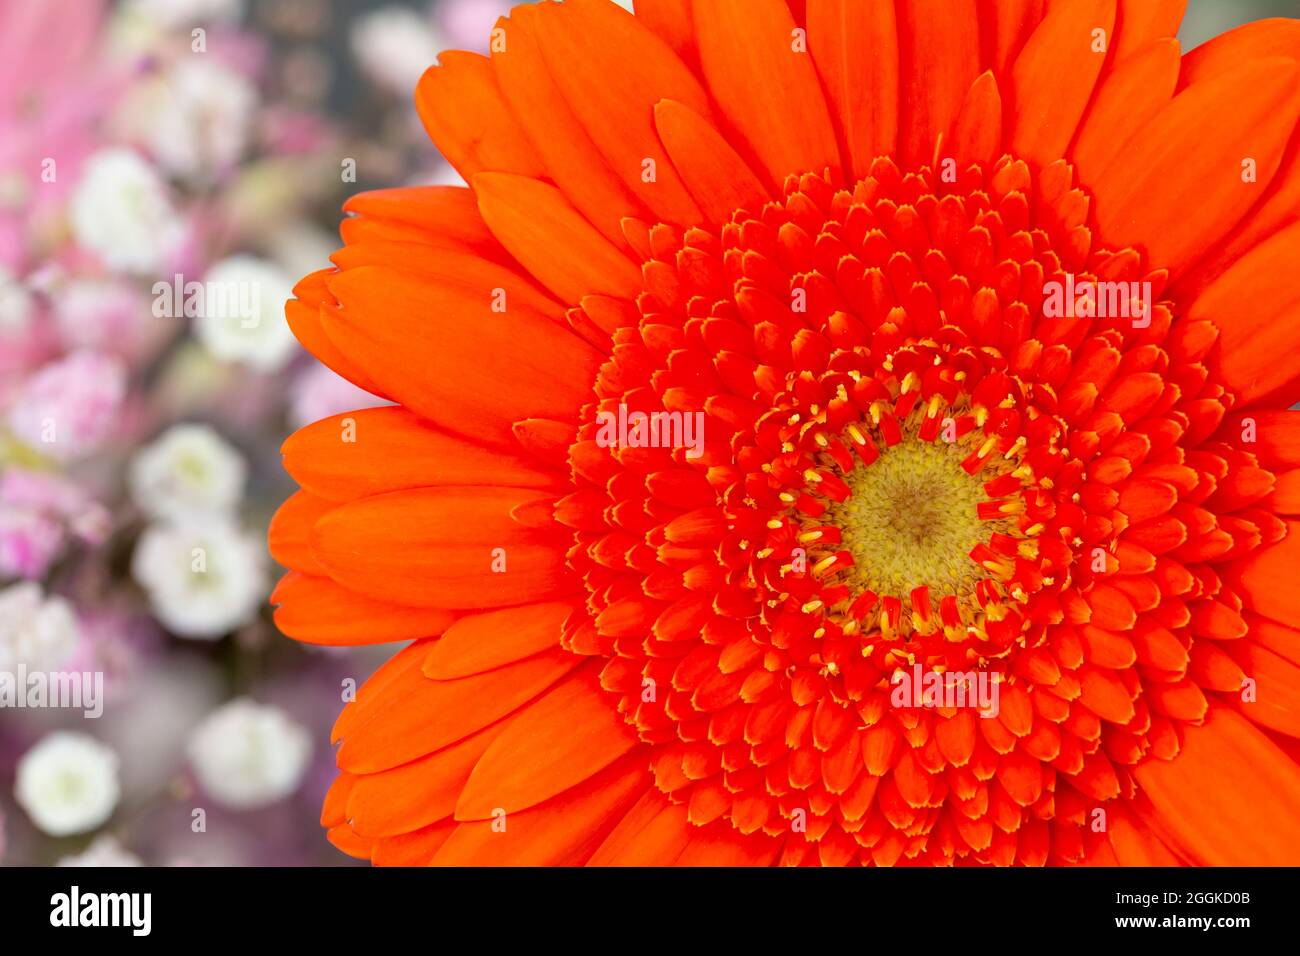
(788, 379)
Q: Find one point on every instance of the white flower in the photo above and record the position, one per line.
(247, 754)
(68, 783)
(105, 851)
(195, 118)
(121, 212)
(188, 470)
(242, 318)
(394, 46)
(38, 632)
(187, 12)
(204, 577)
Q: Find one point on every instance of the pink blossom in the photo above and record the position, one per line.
(38, 512)
(67, 409)
(467, 24)
(319, 393)
(54, 90)
(108, 315)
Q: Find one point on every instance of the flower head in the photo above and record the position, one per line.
(121, 212)
(241, 319)
(68, 407)
(204, 576)
(811, 457)
(188, 470)
(68, 783)
(247, 754)
(36, 631)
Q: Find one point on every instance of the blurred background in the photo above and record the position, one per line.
(138, 436)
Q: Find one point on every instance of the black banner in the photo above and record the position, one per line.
(338, 906)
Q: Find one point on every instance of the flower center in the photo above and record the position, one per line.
(911, 520)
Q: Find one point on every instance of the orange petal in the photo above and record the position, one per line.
(302, 314)
(411, 849)
(539, 227)
(855, 49)
(347, 841)
(1228, 797)
(290, 530)
(316, 610)
(1258, 40)
(1272, 435)
(612, 70)
(480, 642)
(716, 176)
(419, 793)
(1142, 201)
(977, 133)
(1140, 22)
(451, 547)
(453, 267)
(561, 832)
(443, 216)
(410, 715)
(1253, 305)
(1281, 640)
(559, 741)
(1008, 24)
(1127, 98)
(767, 90)
(1277, 688)
(334, 808)
(1053, 77)
(1133, 843)
(939, 59)
(466, 117)
(722, 845)
(448, 356)
(671, 20)
(376, 450)
(575, 164)
(652, 833)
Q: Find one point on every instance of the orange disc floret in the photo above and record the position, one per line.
(805, 457)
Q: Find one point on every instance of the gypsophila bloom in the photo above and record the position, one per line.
(68, 407)
(68, 783)
(392, 46)
(825, 246)
(247, 323)
(105, 850)
(204, 577)
(122, 213)
(37, 631)
(187, 12)
(195, 117)
(247, 754)
(189, 469)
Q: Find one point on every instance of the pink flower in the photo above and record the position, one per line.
(54, 89)
(467, 24)
(68, 407)
(38, 511)
(319, 393)
(107, 315)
